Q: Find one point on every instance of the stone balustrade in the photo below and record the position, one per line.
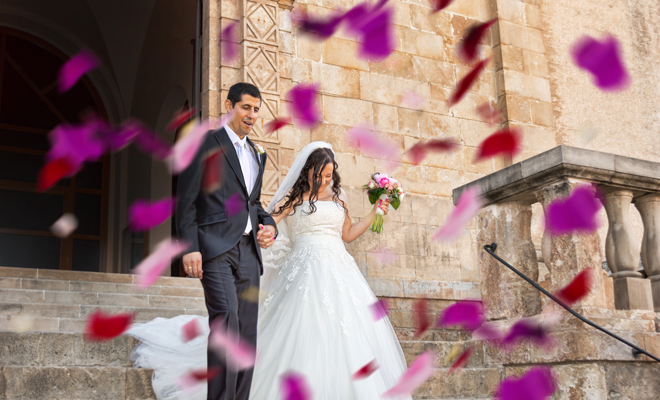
(506, 219)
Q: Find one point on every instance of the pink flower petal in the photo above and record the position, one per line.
(489, 332)
(537, 384)
(422, 320)
(234, 204)
(238, 354)
(229, 41)
(413, 100)
(467, 50)
(461, 361)
(148, 141)
(466, 82)
(468, 314)
(75, 68)
(372, 145)
(489, 113)
(144, 215)
(275, 125)
(603, 60)
(380, 309)
(419, 372)
(578, 288)
(64, 226)
(468, 206)
(575, 213)
(180, 118)
(184, 150)
(190, 380)
(76, 143)
(303, 104)
(190, 330)
(384, 255)
(505, 142)
(295, 387)
(150, 269)
(366, 371)
(212, 175)
(101, 326)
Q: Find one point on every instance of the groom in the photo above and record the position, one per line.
(224, 251)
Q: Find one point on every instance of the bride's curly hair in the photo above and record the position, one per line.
(317, 160)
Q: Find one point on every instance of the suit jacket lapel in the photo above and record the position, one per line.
(230, 153)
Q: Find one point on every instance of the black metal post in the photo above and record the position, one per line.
(490, 249)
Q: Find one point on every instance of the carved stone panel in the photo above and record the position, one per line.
(260, 23)
(261, 67)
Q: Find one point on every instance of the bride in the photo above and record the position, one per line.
(314, 311)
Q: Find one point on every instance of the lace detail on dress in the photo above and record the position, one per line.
(328, 219)
(345, 326)
(327, 302)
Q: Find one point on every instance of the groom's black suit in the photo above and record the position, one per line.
(231, 261)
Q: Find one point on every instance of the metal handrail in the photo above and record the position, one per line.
(490, 249)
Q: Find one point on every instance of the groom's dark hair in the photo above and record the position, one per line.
(237, 90)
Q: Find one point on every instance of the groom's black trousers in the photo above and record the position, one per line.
(225, 278)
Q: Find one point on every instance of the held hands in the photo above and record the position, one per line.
(266, 236)
(192, 263)
(384, 205)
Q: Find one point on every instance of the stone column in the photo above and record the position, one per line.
(630, 290)
(505, 294)
(566, 255)
(649, 209)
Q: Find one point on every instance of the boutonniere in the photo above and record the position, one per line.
(259, 148)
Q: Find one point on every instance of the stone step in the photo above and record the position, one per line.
(69, 383)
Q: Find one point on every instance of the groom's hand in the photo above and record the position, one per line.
(265, 236)
(192, 262)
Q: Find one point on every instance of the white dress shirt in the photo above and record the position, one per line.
(249, 164)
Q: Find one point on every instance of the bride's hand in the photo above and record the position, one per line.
(383, 205)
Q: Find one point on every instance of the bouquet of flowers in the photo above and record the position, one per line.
(382, 187)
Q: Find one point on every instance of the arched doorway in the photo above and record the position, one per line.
(30, 107)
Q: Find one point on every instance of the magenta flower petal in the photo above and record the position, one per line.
(65, 225)
(380, 309)
(228, 345)
(148, 141)
(575, 213)
(366, 371)
(184, 150)
(150, 269)
(190, 330)
(489, 332)
(75, 68)
(303, 104)
(372, 145)
(144, 215)
(76, 143)
(420, 370)
(234, 204)
(377, 35)
(537, 384)
(528, 329)
(603, 60)
(467, 51)
(229, 41)
(468, 314)
(295, 387)
(467, 208)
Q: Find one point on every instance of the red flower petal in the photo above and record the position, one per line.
(467, 50)
(212, 175)
(53, 171)
(461, 361)
(190, 380)
(439, 5)
(276, 124)
(191, 330)
(366, 371)
(180, 118)
(422, 320)
(466, 83)
(489, 113)
(101, 326)
(441, 145)
(579, 287)
(75, 68)
(505, 142)
(380, 309)
(417, 153)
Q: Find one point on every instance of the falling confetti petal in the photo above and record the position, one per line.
(53, 171)
(603, 60)
(144, 215)
(75, 68)
(295, 387)
(229, 39)
(229, 345)
(575, 213)
(101, 326)
(417, 153)
(528, 329)
(324, 28)
(537, 384)
(439, 5)
(190, 330)
(468, 314)
(185, 149)
(461, 361)
(578, 288)
(413, 100)
(366, 371)
(420, 370)
(441, 145)
(489, 113)
(377, 35)
(64, 226)
(466, 83)
(380, 309)
(76, 143)
(150, 269)
(275, 125)
(212, 175)
(180, 118)
(384, 255)
(251, 294)
(191, 379)
(372, 145)
(505, 142)
(422, 320)
(234, 204)
(488, 331)
(468, 206)
(148, 141)
(467, 50)
(303, 105)
(454, 352)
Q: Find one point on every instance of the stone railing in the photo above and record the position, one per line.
(506, 220)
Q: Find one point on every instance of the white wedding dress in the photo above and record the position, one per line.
(314, 319)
